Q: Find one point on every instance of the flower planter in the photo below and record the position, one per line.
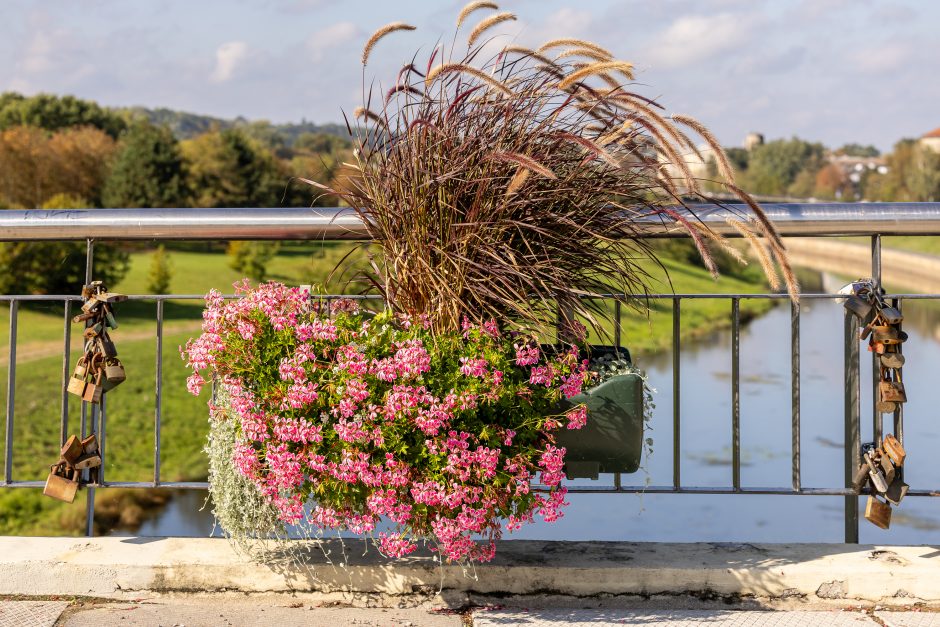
(612, 439)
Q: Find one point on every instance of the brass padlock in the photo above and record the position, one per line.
(886, 407)
(114, 373)
(887, 468)
(71, 450)
(111, 297)
(894, 449)
(891, 315)
(93, 389)
(90, 304)
(878, 513)
(105, 346)
(81, 368)
(93, 331)
(892, 360)
(892, 392)
(59, 485)
(90, 444)
(90, 460)
(76, 385)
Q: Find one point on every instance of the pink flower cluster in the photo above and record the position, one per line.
(438, 435)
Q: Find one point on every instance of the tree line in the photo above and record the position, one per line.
(66, 153)
(800, 169)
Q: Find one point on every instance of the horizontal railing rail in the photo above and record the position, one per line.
(791, 219)
(812, 220)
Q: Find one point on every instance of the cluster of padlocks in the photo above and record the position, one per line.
(65, 476)
(97, 371)
(882, 463)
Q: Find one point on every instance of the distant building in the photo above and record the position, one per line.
(931, 140)
(752, 140)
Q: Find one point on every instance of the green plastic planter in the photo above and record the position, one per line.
(612, 439)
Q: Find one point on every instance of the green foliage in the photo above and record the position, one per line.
(148, 170)
(57, 267)
(858, 150)
(230, 170)
(52, 113)
(913, 175)
(739, 158)
(252, 258)
(161, 272)
(774, 166)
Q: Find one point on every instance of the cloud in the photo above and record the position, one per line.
(228, 57)
(886, 58)
(697, 38)
(324, 40)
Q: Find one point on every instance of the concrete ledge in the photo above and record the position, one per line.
(122, 567)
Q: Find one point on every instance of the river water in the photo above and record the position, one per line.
(765, 444)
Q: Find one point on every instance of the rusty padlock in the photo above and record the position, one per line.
(90, 444)
(114, 373)
(878, 513)
(60, 484)
(891, 392)
(892, 360)
(89, 460)
(894, 450)
(71, 450)
(94, 389)
(105, 346)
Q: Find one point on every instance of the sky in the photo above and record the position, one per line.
(835, 71)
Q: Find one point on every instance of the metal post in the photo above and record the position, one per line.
(66, 373)
(158, 412)
(90, 498)
(852, 435)
(877, 430)
(795, 393)
(11, 389)
(736, 394)
(676, 414)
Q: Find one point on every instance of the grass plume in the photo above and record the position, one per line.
(489, 23)
(470, 7)
(379, 34)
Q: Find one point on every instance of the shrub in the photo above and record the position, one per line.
(161, 272)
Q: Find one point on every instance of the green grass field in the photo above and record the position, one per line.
(130, 407)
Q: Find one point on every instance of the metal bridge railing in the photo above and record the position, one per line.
(808, 220)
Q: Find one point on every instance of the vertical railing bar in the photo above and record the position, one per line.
(899, 409)
(795, 393)
(90, 497)
(11, 389)
(617, 324)
(66, 372)
(736, 393)
(852, 417)
(877, 424)
(158, 413)
(676, 397)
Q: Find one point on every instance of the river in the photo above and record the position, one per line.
(765, 444)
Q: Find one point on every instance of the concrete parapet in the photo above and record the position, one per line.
(130, 567)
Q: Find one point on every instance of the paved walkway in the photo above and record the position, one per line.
(250, 612)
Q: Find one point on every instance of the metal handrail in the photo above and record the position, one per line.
(791, 219)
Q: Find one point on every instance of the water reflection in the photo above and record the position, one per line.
(765, 443)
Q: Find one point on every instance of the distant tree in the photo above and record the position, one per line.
(148, 170)
(774, 166)
(913, 175)
(34, 165)
(252, 258)
(739, 158)
(858, 150)
(52, 113)
(831, 183)
(57, 267)
(227, 169)
(161, 272)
